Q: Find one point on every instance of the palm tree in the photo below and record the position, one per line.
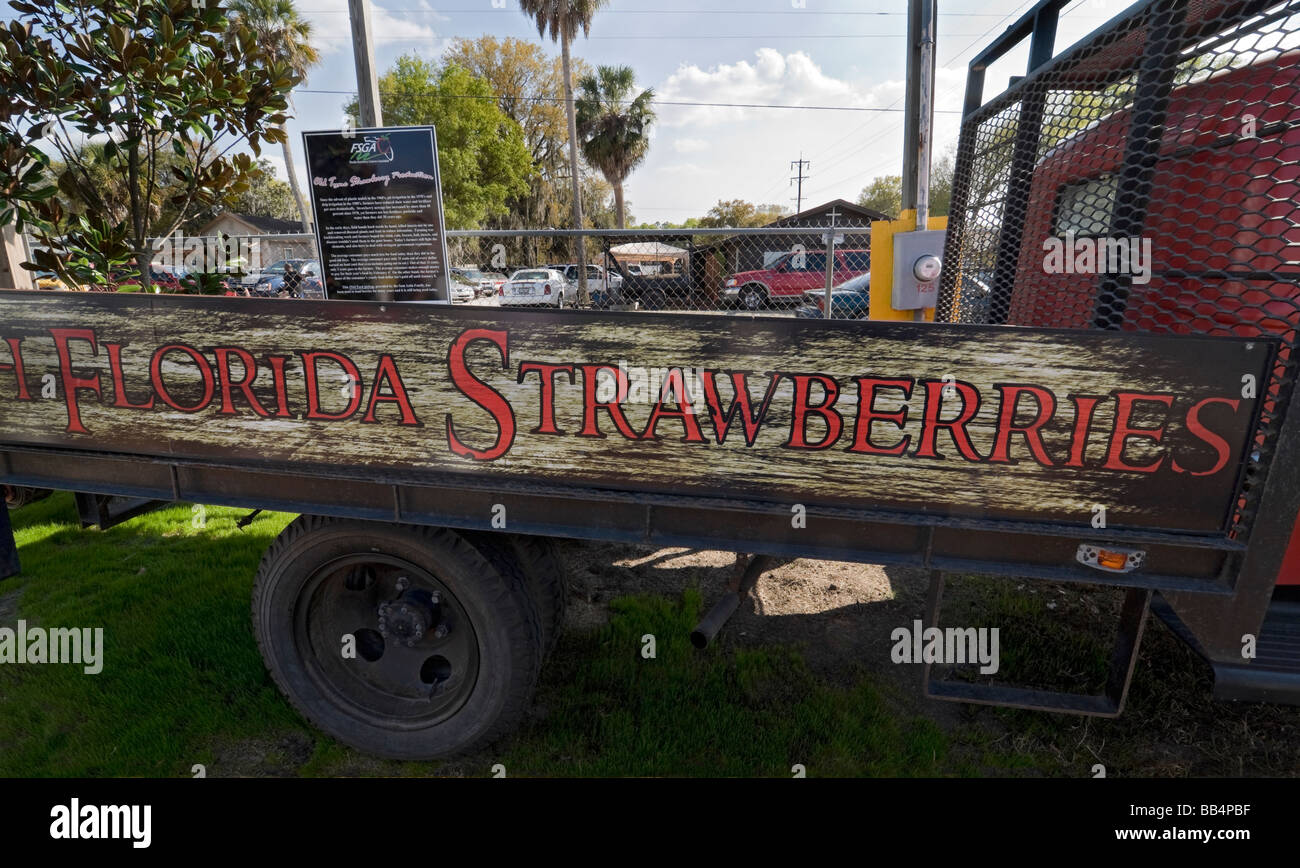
(562, 18)
(613, 130)
(285, 37)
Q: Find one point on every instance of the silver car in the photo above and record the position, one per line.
(537, 286)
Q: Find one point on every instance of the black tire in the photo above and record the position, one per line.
(538, 560)
(321, 573)
(18, 496)
(752, 297)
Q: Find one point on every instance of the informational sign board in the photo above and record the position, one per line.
(377, 204)
(1005, 423)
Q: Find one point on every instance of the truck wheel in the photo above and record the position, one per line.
(752, 297)
(18, 496)
(445, 650)
(537, 559)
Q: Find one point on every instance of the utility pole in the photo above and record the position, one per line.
(363, 51)
(918, 121)
(799, 179)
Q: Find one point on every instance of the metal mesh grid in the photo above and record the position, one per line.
(1144, 181)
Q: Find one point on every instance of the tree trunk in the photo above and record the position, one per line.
(304, 210)
(139, 218)
(573, 162)
(618, 205)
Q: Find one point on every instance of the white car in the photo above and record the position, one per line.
(596, 277)
(461, 289)
(533, 286)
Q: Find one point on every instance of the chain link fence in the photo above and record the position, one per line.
(775, 271)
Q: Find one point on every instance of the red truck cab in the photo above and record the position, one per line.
(1224, 235)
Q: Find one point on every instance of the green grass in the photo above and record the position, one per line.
(183, 682)
(743, 712)
(180, 664)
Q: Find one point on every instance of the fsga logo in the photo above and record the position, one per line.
(374, 149)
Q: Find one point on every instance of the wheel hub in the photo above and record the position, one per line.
(410, 616)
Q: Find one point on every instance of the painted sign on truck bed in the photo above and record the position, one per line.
(1006, 423)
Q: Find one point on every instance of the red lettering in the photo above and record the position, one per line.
(868, 414)
(387, 372)
(281, 392)
(17, 367)
(803, 408)
(1198, 430)
(314, 411)
(228, 383)
(71, 382)
(481, 393)
(547, 375)
(205, 373)
(674, 389)
(749, 420)
(613, 408)
(119, 386)
(970, 406)
(1083, 409)
(1123, 431)
(1032, 432)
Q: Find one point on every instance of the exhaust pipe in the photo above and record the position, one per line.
(710, 624)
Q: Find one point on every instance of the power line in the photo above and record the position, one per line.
(672, 37)
(667, 102)
(606, 12)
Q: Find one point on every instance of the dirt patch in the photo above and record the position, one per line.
(277, 757)
(838, 615)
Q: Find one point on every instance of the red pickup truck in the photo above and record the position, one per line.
(789, 277)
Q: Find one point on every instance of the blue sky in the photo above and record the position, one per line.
(847, 54)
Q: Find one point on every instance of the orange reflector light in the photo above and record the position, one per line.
(1112, 560)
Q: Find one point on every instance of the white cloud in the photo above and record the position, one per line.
(746, 153)
(690, 146)
(332, 28)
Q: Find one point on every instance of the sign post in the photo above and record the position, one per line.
(377, 205)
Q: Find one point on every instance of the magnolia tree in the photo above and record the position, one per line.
(163, 90)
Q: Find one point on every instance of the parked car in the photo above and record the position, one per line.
(48, 280)
(598, 280)
(789, 277)
(536, 286)
(483, 283)
(276, 269)
(850, 300)
(463, 289)
(497, 280)
(311, 285)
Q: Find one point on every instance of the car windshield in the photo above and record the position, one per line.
(530, 275)
(862, 281)
(473, 274)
